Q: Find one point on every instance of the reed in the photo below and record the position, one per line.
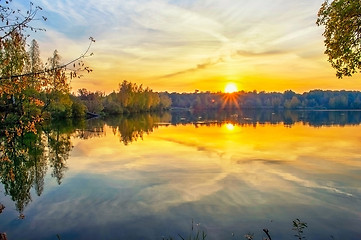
(196, 234)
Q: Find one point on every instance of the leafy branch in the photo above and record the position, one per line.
(63, 66)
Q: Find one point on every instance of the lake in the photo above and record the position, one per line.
(155, 176)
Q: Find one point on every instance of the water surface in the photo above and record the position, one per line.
(148, 176)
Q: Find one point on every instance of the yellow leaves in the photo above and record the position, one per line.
(31, 126)
(6, 132)
(36, 101)
(11, 175)
(5, 158)
(18, 131)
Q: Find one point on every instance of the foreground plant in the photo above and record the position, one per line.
(199, 235)
(298, 226)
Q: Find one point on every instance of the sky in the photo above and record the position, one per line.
(184, 45)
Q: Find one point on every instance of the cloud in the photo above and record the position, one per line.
(143, 40)
(244, 53)
(181, 26)
(201, 66)
(222, 59)
(310, 184)
(198, 146)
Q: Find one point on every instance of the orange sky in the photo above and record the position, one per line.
(183, 45)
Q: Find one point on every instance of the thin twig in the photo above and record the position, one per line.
(52, 69)
(267, 233)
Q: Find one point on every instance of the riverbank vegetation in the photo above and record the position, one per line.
(130, 98)
(315, 99)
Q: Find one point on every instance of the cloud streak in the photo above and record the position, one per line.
(141, 40)
(209, 63)
(310, 184)
(222, 59)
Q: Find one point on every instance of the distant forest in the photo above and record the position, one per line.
(315, 99)
(131, 98)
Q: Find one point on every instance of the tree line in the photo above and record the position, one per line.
(129, 98)
(315, 99)
(254, 117)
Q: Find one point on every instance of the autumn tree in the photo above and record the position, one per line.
(35, 64)
(28, 89)
(165, 101)
(13, 57)
(342, 21)
(57, 77)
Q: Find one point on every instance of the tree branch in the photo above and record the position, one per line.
(83, 55)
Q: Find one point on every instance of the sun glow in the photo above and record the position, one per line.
(230, 126)
(230, 88)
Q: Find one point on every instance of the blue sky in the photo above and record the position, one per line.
(184, 45)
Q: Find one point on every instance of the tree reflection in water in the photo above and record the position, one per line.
(134, 127)
(27, 153)
(25, 156)
(23, 163)
(59, 145)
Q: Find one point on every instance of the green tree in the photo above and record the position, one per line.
(342, 21)
(13, 58)
(125, 93)
(28, 90)
(112, 105)
(35, 64)
(92, 100)
(60, 105)
(57, 77)
(78, 109)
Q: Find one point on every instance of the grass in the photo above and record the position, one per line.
(298, 227)
(194, 235)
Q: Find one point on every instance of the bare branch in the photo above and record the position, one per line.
(16, 21)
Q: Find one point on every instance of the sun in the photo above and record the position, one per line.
(230, 88)
(230, 126)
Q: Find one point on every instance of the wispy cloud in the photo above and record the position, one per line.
(198, 146)
(311, 184)
(223, 58)
(244, 53)
(201, 66)
(174, 38)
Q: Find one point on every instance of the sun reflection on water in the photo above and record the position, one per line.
(238, 168)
